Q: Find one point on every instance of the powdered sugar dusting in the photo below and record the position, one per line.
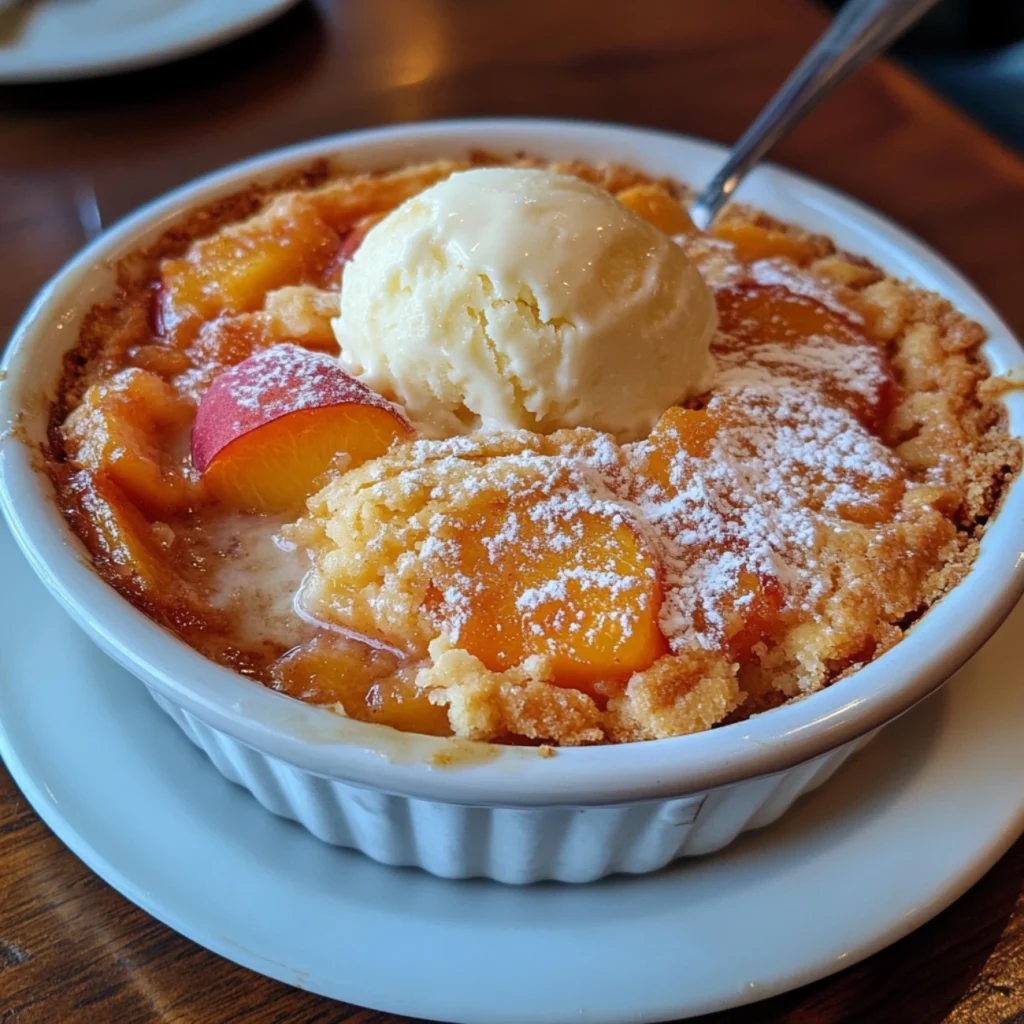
(746, 517)
(287, 378)
(782, 273)
(852, 369)
(275, 382)
(710, 529)
(734, 521)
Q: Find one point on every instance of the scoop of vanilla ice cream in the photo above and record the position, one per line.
(508, 297)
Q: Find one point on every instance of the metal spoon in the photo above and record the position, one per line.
(861, 30)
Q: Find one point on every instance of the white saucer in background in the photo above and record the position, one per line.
(65, 39)
(900, 832)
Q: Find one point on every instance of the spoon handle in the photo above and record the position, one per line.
(860, 31)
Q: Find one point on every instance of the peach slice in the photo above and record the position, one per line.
(678, 430)
(351, 240)
(755, 243)
(772, 314)
(230, 339)
(753, 315)
(118, 534)
(268, 427)
(659, 207)
(874, 411)
(232, 271)
(580, 587)
(366, 681)
(297, 314)
(162, 360)
(752, 612)
(128, 428)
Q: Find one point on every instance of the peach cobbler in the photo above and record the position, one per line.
(509, 451)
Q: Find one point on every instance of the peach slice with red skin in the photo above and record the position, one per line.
(269, 427)
(354, 236)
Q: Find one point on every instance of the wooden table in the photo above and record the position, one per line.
(71, 949)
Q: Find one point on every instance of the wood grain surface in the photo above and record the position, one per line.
(71, 949)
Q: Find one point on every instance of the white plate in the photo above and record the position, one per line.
(64, 39)
(895, 837)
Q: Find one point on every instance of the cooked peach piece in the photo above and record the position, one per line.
(228, 340)
(233, 270)
(345, 202)
(875, 410)
(129, 429)
(118, 532)
(753, 611)
(268, 427)
(772, 314)
(658, 206)
(876, 502)
(297, 314)
(754, 614)
(874, 498)
(276, 469)
(163, 360)
(678, 430)
(365, 681)
(353, 238)
(756, 243)
(578, 586)
(754, 317)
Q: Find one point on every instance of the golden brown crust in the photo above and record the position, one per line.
(485, 705)
(679, 694)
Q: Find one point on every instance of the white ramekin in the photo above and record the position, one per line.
(499, 812)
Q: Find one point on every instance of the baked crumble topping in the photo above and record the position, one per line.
(766, 539)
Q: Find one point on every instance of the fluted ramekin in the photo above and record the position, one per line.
(498, 812)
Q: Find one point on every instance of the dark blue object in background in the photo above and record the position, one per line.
(972, 51)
